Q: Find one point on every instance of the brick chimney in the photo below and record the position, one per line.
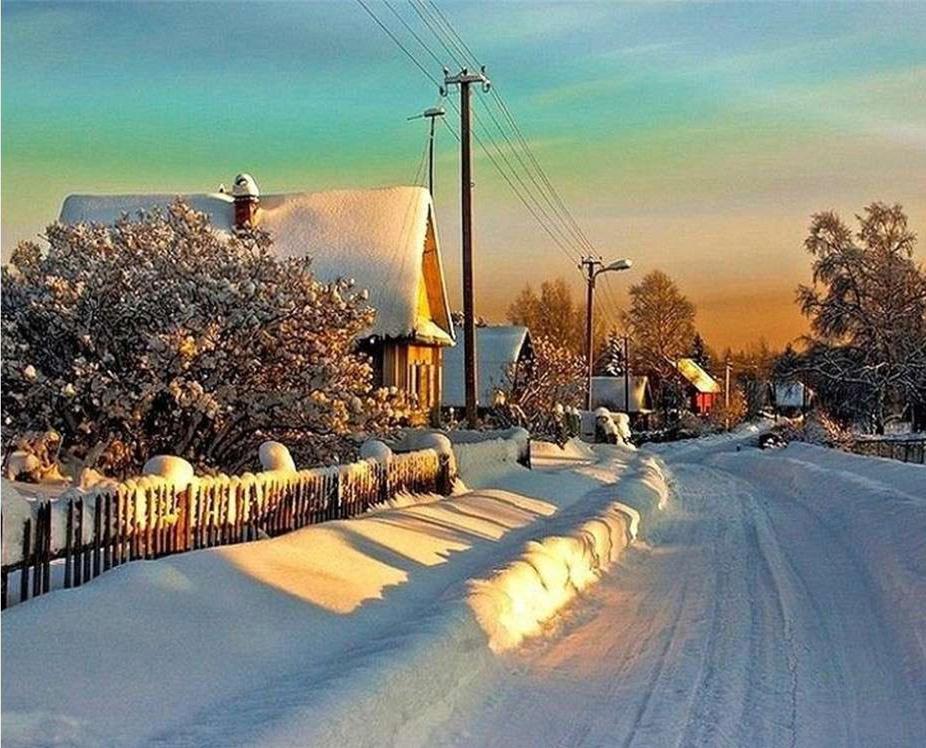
(247, 200)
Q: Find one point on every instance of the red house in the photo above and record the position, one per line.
(702, 389)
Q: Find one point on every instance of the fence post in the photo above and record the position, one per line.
(97, 527)
(445, 479)
(79, 538)
(107, 535)
(46, 554)
(68, 541)
(37, 552)
(24, 566)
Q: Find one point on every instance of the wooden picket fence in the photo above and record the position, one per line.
(134, 521)
(905, 450)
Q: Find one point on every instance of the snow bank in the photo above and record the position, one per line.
(515, 602)
(481, 459)
(575, 450)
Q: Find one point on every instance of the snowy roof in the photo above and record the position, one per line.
(609, 392)
(702, 381)
(497, 347)
(385, 239)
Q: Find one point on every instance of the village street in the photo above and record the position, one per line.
(777, 601)
(770, 598)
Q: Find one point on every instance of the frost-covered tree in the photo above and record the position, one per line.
(866, 355)
(554, 377)
(159, 334)
(613, 358)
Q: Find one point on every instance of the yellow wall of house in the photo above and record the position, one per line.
(415, 368)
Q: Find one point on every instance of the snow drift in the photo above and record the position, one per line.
(515, 602)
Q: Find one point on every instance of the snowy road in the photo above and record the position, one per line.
(780, 601)
(771, 599)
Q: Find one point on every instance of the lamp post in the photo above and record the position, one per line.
(593, 267)
(431, 114)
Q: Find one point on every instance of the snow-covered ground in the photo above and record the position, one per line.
(176, 649)
(780, 600)
(770, 598)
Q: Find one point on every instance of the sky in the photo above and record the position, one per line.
(697, 138)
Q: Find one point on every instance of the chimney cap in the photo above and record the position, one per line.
(245, 186)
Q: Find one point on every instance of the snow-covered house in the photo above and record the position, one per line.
(498, 348)
(701, 388)
(385, 239)
(611, 393)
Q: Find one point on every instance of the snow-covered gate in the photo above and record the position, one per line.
(65, 542)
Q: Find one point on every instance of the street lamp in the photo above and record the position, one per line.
(593, 267)
(431, 114)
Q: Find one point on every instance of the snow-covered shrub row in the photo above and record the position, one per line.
(516, 601)
(170, 336)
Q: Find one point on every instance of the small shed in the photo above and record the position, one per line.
(499, 349)
(611, 393)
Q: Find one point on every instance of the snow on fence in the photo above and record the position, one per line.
(83, 534)
(905, 450)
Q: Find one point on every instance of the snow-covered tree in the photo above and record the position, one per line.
(159, 334)
(866, 356)
(613, 358)
(554, 377)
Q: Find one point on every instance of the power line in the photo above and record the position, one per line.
(454, 35)
(421, 12)
(413, 33)
(566, 215)
(524, 195)
(576, 235)
(398, 43)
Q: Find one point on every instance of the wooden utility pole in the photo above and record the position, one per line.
(590, 266)
(627, 375)
(726, 393)
(464, 79)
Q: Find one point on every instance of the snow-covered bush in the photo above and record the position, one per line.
(553, 379)
(159, 334)
(816, 428)
(35, 458)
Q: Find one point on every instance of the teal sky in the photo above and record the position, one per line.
(693, 137)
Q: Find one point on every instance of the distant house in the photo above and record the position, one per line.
(791, 398)
(385, 239)
(499, 348)
(609, 392)
(701, 389)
